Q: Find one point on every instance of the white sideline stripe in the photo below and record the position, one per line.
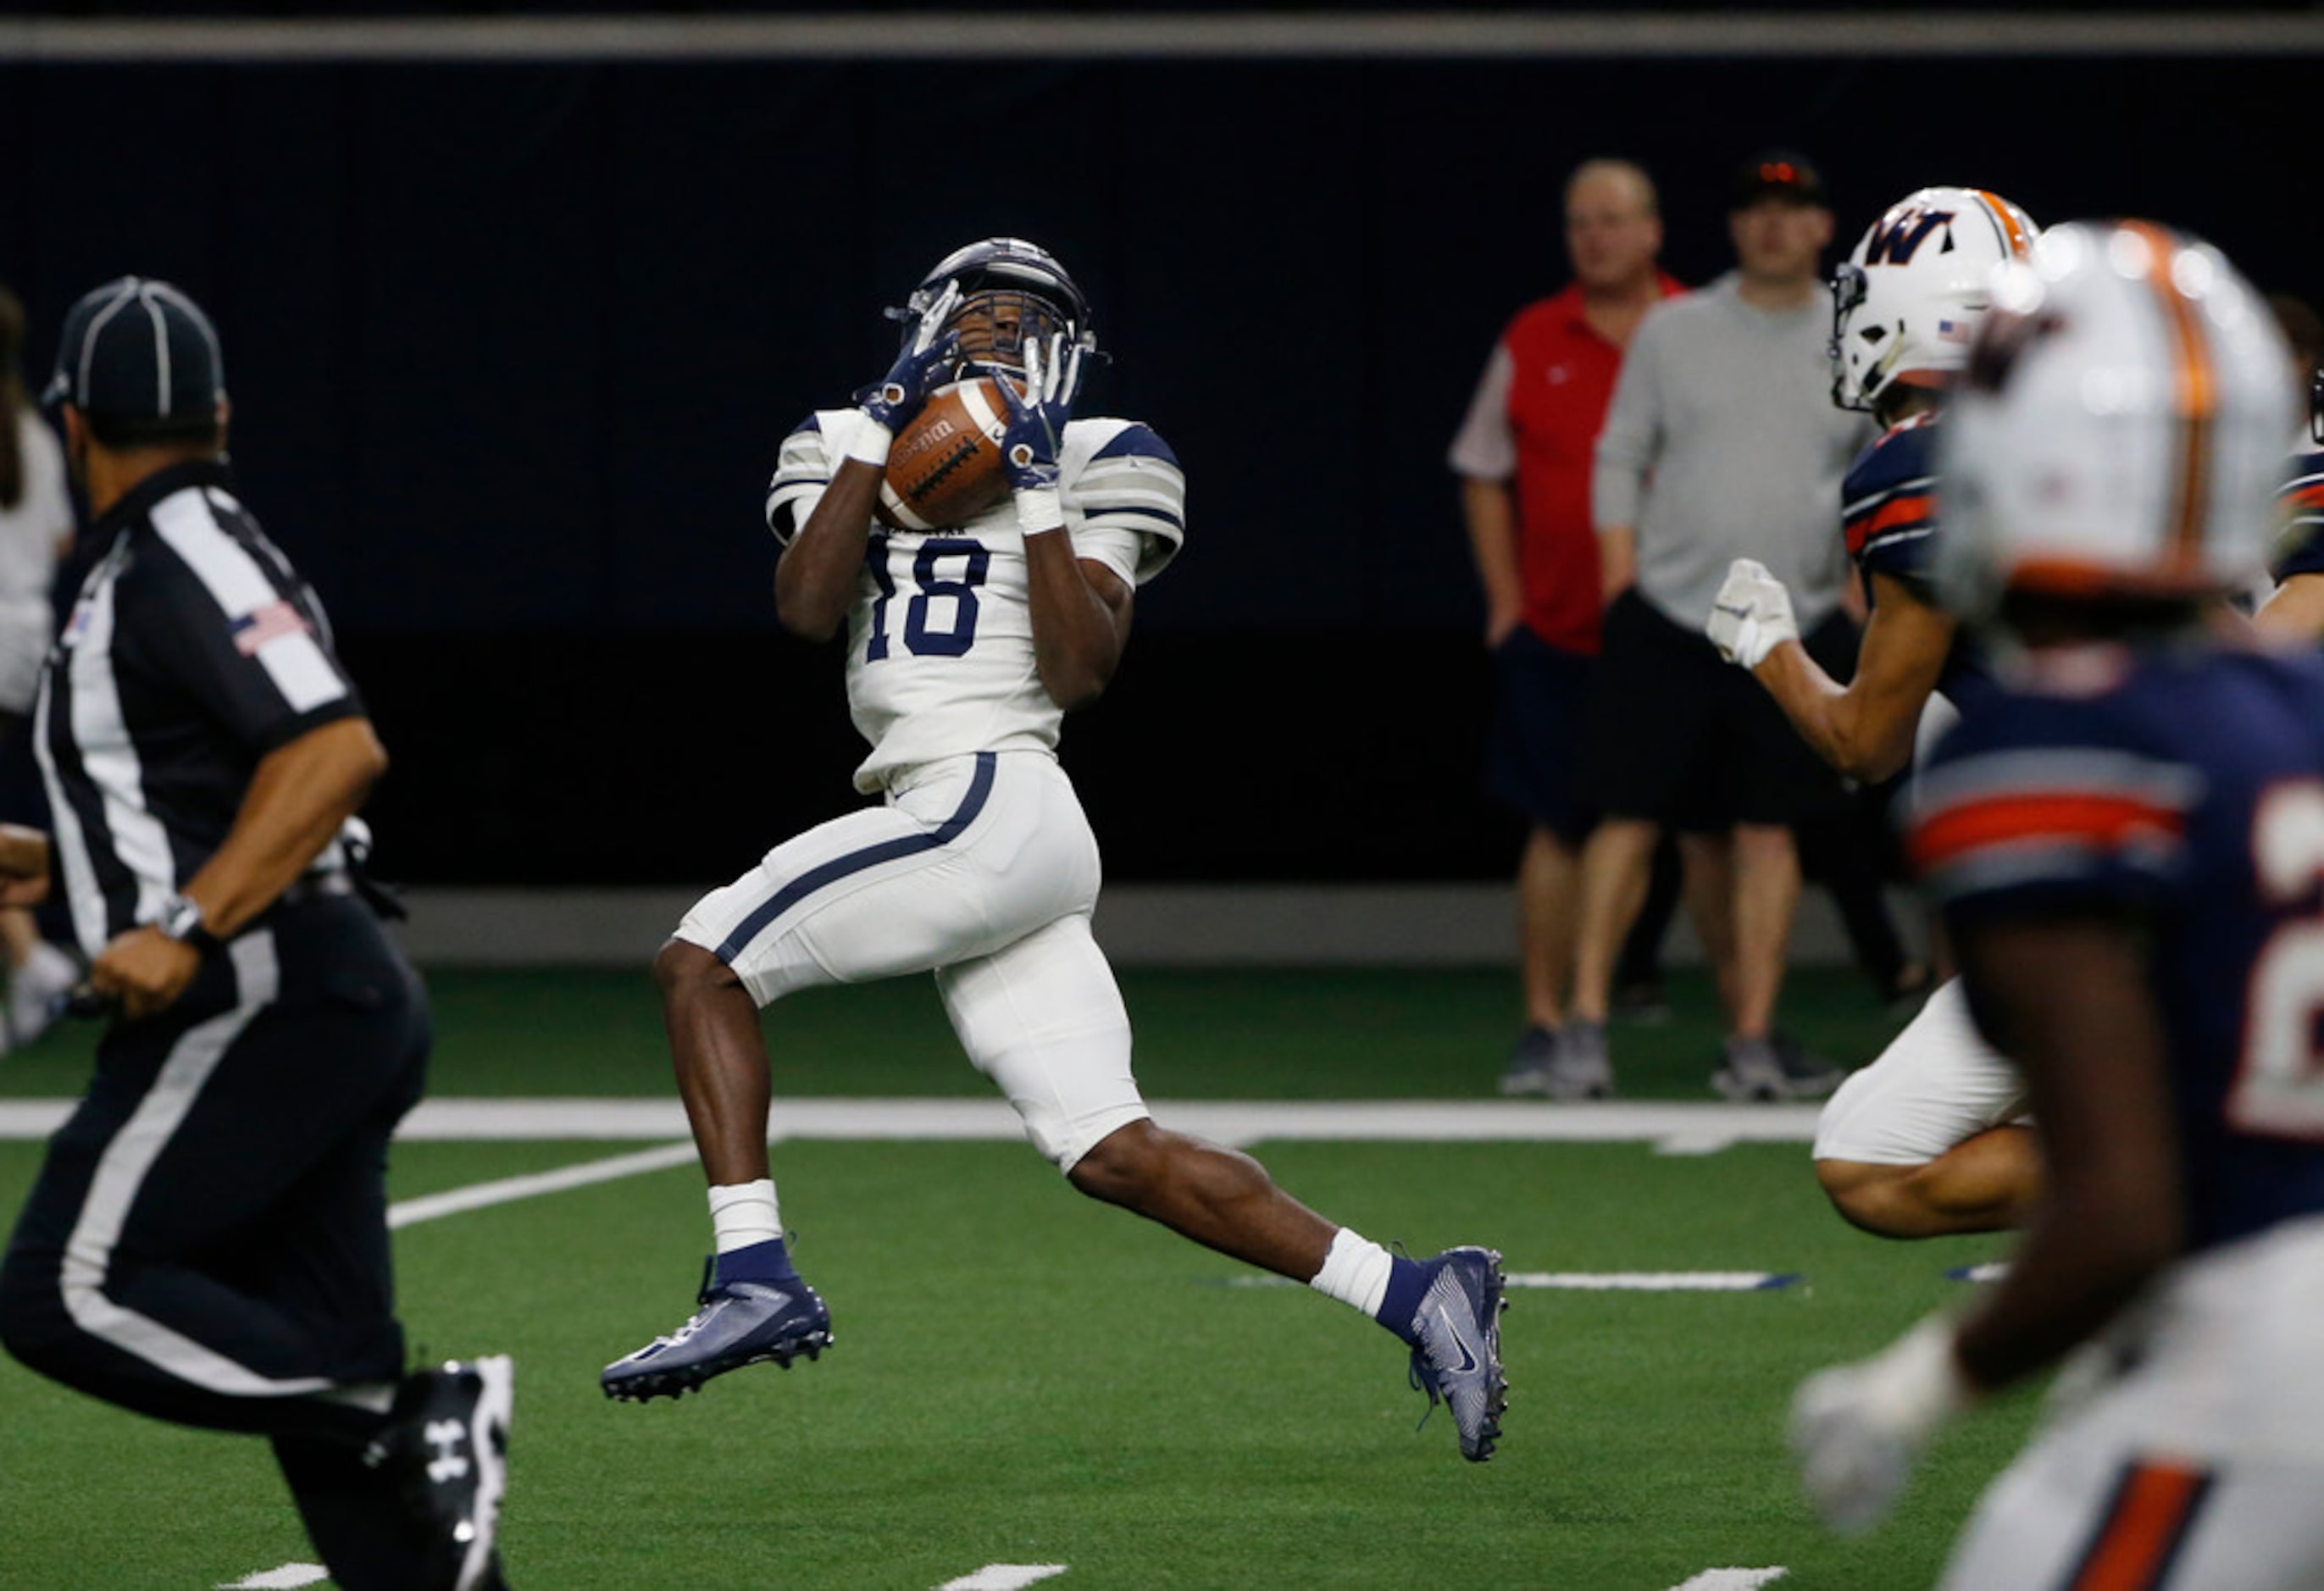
(1732, 1580)
(289, 1575)
(1673, 1127)
(1004, 1576)
(508, 1189)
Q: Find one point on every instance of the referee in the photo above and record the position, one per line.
(207, 1242)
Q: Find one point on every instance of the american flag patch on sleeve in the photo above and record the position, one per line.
(276, 620)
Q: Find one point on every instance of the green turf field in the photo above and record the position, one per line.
(1021, 1377)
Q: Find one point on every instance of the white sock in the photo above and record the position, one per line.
(1355, 1272)
(743, 1213)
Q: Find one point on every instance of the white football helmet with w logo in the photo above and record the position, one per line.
(1908, 300)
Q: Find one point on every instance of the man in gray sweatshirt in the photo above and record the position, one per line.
(1721, 442)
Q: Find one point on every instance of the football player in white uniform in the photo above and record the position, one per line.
(2127, 840)
(966, 645)
(1929, 1138)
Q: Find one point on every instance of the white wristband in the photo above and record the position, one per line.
(1040, 510)
(868, 441)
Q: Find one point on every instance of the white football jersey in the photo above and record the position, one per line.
(940, 641)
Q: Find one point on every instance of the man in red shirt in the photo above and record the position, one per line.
(1525, 455)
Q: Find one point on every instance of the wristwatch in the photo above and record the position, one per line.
(181, 920)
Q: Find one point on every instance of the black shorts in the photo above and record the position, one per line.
(1533, 760)
(1681, 736)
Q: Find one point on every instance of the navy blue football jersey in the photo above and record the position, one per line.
(1888, 504)
(1888, 516)
(2299, 545)
(2187, 788)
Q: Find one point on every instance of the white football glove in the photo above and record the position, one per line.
(1856, 1428)
(1751, 615)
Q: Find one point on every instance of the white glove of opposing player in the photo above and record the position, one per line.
(1751, 615)
(1856, 1428)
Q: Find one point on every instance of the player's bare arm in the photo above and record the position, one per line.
(1865, 728)
(1081, 620)
(816, 577)
(2070, 1000)
(1489, 510)
(302, 792)
(2295, 612)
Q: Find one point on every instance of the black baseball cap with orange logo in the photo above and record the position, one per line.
(1779, 173)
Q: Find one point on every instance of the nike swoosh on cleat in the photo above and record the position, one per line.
(1468, 1355)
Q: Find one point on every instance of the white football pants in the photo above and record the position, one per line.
(982, 870)
(2186, 1449)
(1936, 1085)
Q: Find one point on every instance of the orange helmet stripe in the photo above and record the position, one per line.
(2195, 384)
(2007, 218)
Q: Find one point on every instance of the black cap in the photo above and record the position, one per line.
(1779, 173)
(141, 354)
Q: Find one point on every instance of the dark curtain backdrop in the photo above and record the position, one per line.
(510, 348)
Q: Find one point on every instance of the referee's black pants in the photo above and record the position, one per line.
(207, 1241)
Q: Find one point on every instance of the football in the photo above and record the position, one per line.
(945, 468)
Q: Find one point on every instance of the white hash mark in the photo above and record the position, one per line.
(1003, 1577)
(1732, 1580)
(289, 1576)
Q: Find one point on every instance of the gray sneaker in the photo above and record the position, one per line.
(1772, 1068)
(1532, 1062)
(1580, 1069)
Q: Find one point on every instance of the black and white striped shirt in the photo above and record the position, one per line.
(192, 650)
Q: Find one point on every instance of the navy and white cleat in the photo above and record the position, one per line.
(1456, 1357)
(446, 1443)
(739, 1323)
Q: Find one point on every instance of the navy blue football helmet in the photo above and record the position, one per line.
(1012, 293)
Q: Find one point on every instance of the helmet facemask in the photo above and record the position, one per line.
(1013, 295)
(996, 325)
(1850, 390)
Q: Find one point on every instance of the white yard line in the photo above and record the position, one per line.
(1673, 1127)
(1004, 1576)
(286, 1578)
(508, 1189)
(1653, 1281)
(1605, 1281)
(1732, 1580)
